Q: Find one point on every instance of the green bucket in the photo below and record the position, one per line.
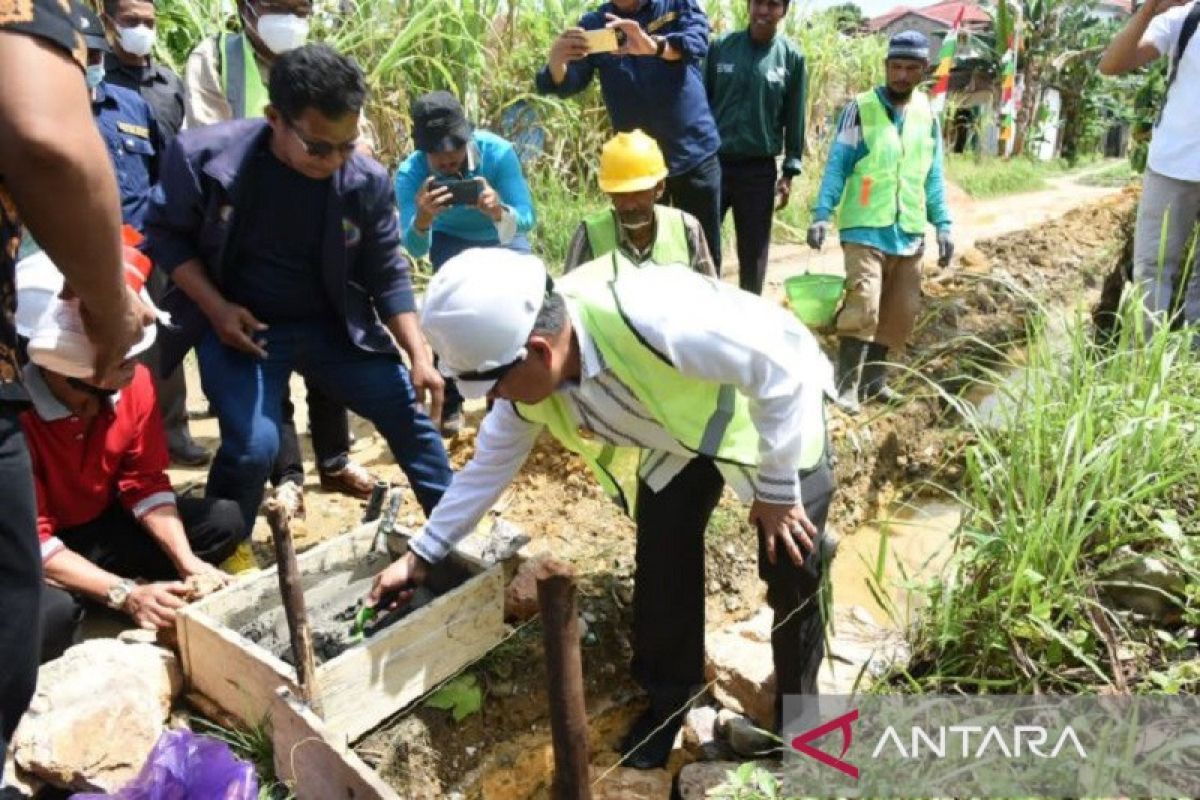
(814, 297)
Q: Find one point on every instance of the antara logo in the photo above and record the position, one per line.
(938, 743)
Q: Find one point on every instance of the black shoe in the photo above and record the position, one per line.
(851, 355)
(452, 424)
(650, 740)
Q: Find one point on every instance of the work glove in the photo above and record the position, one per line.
(817, 232)
(945, 247)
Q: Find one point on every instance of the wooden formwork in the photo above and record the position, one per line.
(359, 688)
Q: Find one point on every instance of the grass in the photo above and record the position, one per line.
(1118, 174)
(1093, 466)
(253, 745)
(995, 177)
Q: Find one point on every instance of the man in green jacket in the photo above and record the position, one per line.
(669, 385)
(885, 178)
(755, 80)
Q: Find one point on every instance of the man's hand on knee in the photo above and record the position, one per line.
(784, 525)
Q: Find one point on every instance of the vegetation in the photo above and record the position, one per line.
(1090, 471)
(253, 745)
(993, 177)
(488, 51)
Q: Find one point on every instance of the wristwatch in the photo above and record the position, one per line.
(118, 593)
(661, 42)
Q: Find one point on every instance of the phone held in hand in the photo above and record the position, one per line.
(462, 192)
(605, 40)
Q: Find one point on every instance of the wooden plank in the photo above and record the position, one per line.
(364, 686)
(235, 674)
(315, 765)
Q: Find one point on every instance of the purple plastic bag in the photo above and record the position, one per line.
(187, 766)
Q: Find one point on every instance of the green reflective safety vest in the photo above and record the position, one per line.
(707, 418)
(244, 86)
(670, 240)
(888, 184)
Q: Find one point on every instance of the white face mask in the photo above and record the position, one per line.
(137, 41)
(282, 32)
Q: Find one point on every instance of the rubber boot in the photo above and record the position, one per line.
(874, 377)
(851, 355)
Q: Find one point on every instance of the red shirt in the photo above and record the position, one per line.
(81, 466)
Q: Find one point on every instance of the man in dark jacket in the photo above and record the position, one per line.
(652, 82)
(285, 244)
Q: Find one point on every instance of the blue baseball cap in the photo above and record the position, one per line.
(909, 44)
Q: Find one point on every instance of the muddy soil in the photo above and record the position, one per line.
(971, 312)
(332, 613)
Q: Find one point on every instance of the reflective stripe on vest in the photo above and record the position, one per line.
(706, 418)
(670, 235)
(243, 84)
(888, 183)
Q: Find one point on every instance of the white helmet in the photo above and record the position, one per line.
(479, 311)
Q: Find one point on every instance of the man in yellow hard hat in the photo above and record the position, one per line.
(633, 174)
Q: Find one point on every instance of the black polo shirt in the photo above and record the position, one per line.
(160, 87)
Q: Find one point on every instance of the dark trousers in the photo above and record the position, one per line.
(172, 389)
(669, 585)
(442, 248)
(20, 576)
(329, 427)
(698, 192)
(117, 542)
(748, 187)
(247, 395)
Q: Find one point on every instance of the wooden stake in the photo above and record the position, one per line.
(564, 671)
(279, 518)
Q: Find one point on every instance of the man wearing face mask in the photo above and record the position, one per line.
(226, 79)
(131, 25)
(885, 178)
(126, 124)
(633, 174)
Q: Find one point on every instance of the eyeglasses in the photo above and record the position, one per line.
(495, 374)
(87, 388)
(322, 149)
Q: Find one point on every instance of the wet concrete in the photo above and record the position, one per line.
(333, 605)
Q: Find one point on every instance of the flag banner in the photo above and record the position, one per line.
(937, 97)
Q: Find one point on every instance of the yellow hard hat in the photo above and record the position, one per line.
(631, 162)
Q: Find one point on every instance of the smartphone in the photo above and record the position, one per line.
(605, 40)
(462, 192)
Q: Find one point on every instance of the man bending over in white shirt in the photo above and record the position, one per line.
(669, 385)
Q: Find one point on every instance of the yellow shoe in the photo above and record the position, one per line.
(241, 561)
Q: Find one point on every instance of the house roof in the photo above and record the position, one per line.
(943, 13)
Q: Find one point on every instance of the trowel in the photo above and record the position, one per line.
(370, 619)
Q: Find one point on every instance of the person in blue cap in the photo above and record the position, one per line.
(885, 179)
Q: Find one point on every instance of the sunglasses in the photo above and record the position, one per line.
(87, 388)
(322, 149)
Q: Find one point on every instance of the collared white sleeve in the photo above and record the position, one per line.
(503, 444)
(715, 332)
(506, 226)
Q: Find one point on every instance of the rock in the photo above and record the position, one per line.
(738, 663)
(697, 780)
(200, 586)
(624, 783)
(18, 782)
(745, 738)
(97, 713)
(502, 541)
(699, 730)
(520, 598)
(1157, 580)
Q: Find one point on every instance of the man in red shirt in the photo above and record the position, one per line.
(106, 510)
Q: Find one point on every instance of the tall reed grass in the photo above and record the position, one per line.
(488, 51)
(1092, 465)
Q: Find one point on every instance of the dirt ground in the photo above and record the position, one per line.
(971, 311)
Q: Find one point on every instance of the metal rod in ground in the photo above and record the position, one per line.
(375, 502)
(279, 518)
(564, 672)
